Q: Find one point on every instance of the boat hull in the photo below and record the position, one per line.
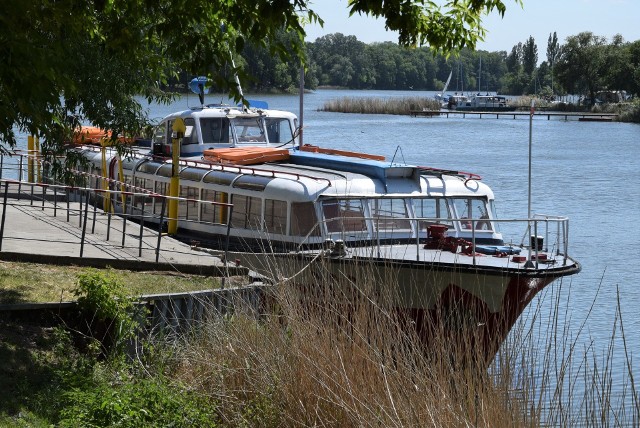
(474, 307)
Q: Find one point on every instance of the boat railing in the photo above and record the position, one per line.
(545, 233)
(89, 205)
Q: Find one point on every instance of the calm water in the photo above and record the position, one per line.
(589, 172)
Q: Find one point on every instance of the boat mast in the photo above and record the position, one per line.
(480, 75)
(301, 116)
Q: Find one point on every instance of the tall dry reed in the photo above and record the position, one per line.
(370, 105)
(327, 350)
(334, 353)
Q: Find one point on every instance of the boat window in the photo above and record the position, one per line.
(389, 214)
(190, 135)
(246, 212)
(279, 131)
(161, 189)
(252, 182)
(142, 184)
(220, 177)
(192, 174)
(215, 130)
(275, 216)
(188, 209)
(431, 208)
(344, 215)
(304, 219)
(165, 170)
(249, 129)
(148, 167)
(160, 133)
(214, 213)
(471, 210)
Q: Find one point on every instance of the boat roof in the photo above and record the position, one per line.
(307, 176)
(230, 111)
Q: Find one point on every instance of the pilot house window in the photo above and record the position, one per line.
(390, 214)
(344, 215)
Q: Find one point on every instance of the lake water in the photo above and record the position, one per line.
(588, 171)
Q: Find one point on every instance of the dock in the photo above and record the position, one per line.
(583, 117)
(42, 227)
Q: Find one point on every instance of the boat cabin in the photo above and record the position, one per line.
(311, 197)
(224, 126)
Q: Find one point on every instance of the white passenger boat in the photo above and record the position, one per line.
(429, 236)
(485, 103)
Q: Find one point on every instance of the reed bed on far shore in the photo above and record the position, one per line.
(373, 105)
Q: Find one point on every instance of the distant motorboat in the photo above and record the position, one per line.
(485, 103)
(455, 100)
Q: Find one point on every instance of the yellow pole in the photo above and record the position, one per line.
(30, 146)
(38, 160)
(123, 188)
(105, 177)
(179, 129)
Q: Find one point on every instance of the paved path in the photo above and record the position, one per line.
(33, 233)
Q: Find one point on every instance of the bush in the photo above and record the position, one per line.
(110, 313)
(148, 402)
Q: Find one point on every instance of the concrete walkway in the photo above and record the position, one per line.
(35, 232)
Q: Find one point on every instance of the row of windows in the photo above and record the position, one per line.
(340, 215)
(220, 130)
(392, 215)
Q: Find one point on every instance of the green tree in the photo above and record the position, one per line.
(514, 59)
(529, 56)
(581, 66)
(89, 59)
(553, 50)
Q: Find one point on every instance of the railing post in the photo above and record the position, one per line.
(95, 211)
(68, 203)
(141, 227)
(4, 211)
(160, 226)
(109, 219)
(124, 218)
(84, 223)
(55, 200)
(226, 245)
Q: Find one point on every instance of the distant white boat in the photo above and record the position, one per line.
(485, 103)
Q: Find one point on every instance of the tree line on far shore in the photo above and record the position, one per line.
(584, 65)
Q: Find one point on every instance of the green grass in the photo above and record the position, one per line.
(38, 283)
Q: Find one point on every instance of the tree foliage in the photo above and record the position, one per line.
(582, 66)
(88, 59)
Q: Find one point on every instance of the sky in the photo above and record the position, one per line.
(537, 18)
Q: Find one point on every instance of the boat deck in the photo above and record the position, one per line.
(412, 254)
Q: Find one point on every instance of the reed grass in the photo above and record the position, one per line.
(370, 105)
(331, 354)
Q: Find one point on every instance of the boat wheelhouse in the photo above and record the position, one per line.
(430, 235)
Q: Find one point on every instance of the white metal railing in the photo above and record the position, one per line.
(554, 230)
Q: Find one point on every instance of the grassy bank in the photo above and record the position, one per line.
(38, 283)
(325, 356)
